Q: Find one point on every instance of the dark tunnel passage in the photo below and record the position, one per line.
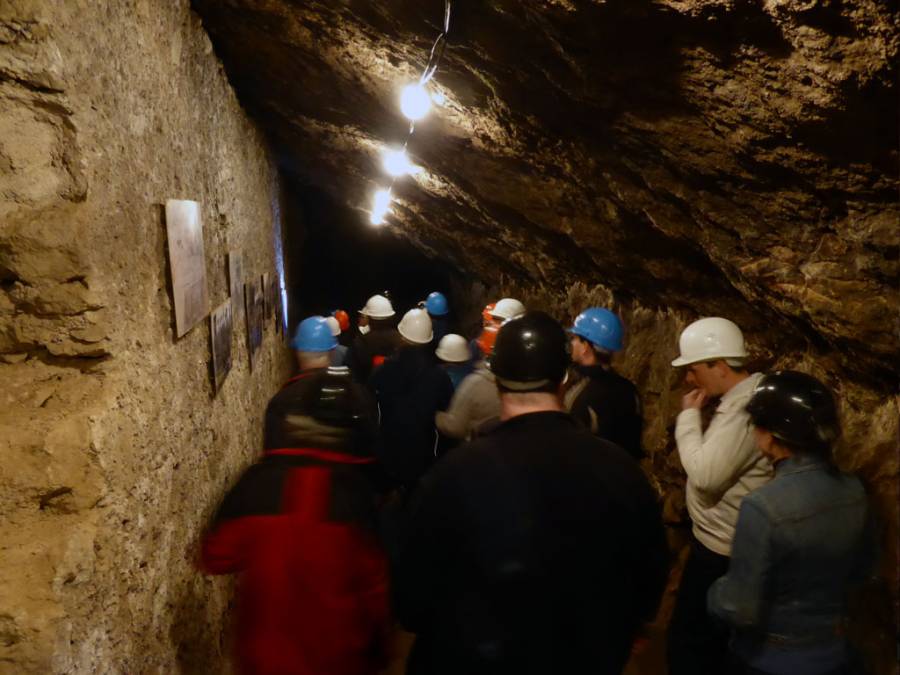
(336, 260)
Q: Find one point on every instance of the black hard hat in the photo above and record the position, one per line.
(328, 409)
(531, 352)
(796, 408)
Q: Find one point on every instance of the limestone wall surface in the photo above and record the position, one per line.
(114, 449)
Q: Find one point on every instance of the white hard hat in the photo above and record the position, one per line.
(334, 325)
(710, 339)
(453, 348)
(415, 326)
(508, 308)
(378, 307)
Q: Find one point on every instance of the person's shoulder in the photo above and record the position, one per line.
(611, 380)
(741, 394)
(606, 451)
(462, 459)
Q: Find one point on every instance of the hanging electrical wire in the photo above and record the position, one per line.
(415, 103)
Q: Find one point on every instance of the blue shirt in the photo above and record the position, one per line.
(801, 541)
(458, 372)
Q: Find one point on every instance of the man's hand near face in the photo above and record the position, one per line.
(693, 399)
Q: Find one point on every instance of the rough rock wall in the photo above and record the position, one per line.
(114, 451)
(712, 155)
(871, 428)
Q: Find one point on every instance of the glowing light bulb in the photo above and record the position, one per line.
(415, 101)
(381, 204)
(397, 163)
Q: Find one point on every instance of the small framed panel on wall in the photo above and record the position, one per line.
(236, 283)
(187, 263)
(253, 301)
(267, 304)
(220, 329)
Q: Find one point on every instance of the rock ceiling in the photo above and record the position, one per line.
(726, 156)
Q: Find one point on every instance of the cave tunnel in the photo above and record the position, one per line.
(182, 183)
(341, 263)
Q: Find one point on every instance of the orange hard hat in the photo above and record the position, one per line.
(486, 315)
(486, 340)
(342, 317)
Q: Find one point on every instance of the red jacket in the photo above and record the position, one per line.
(299, 527)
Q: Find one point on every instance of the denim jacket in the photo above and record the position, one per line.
(801, 541)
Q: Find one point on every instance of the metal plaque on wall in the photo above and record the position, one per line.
(187, 263)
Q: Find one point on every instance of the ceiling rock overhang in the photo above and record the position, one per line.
(726, 156)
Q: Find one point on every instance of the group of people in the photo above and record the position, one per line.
(487, 494)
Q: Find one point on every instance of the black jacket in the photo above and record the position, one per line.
(410, 388)
(370, 350)
(609, 406)
(441, 327)
(537, 549)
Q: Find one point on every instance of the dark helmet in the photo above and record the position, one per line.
(327, 409)
(530, 353)
(795, 408)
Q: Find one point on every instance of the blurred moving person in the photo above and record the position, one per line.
(476, 401)
(339, 353)
(410, 388)
(378, 342)
(343, 320)
(439, 312)
(299, 528)
(453, 353)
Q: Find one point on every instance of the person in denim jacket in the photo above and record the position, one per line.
(801, 540)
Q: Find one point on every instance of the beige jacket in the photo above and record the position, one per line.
(722, 464)
(474, 402)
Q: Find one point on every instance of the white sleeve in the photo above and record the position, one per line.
(715, 460)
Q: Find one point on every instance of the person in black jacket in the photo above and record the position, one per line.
(600, 399)
(377, 340)
(410, 388)
(536, 549)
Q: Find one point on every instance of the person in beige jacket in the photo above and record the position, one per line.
(474, 403)
(723, 465)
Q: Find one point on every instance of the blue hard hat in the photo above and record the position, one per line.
(313, 335)
(436, 304)
(600, 327)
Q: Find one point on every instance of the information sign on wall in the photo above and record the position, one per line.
(220, 327)
(187, 263)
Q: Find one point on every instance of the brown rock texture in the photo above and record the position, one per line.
(720, 156)
(114, 451)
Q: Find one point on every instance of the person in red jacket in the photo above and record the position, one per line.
(300, 529)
